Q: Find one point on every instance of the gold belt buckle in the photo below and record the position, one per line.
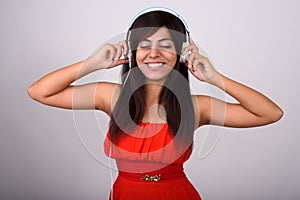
(147, 177)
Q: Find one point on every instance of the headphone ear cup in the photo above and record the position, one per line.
(184, 57)
(129, 53)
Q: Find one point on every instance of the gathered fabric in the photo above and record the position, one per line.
(149, 165)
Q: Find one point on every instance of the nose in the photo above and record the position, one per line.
(154, 52)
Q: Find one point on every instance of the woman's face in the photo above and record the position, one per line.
(156, 55)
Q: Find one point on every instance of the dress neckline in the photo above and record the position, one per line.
(154, 123)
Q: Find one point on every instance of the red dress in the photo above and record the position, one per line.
(148, 165)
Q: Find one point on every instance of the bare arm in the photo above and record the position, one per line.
(55, 89)
(253, 109)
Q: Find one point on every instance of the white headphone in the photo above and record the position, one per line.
(183, 58)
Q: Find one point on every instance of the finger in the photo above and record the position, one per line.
(118, 53)
(198, 67)
(123, 61)
(195, 60)
(195, 64)
(192, 48)
(191, 41)
(118, 62)
(203, 60)
(124, 45)
(190, 60)
(110, 51)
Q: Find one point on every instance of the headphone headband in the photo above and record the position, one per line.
(159, 8)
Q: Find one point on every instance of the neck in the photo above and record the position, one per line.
(152, 91)
(154, 112)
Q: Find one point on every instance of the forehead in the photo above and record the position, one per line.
(161, 33)
(156, 34)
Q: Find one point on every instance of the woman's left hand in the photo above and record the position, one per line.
(199, 65)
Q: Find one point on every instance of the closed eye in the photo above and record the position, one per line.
(163, 44)
(166, 46)
(144, 46)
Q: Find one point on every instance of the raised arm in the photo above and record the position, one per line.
(55, 89)
(252, 109)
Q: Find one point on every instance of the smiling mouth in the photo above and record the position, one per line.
(155, 66)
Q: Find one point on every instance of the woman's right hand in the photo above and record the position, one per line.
(109, 56)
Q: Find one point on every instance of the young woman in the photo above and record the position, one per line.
(153, 114)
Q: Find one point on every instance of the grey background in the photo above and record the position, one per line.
(255, 42)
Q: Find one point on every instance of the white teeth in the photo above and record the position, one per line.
(155, 64)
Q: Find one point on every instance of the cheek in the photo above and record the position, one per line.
(140, 55)
(172, 58)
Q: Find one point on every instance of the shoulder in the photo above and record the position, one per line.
(106, 96)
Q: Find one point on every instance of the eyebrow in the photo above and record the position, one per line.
(160, 40)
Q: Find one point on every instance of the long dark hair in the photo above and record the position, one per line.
(175, 95)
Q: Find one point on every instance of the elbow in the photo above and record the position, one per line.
(276, 115)
(30, 92)
(33, 93)
(280, 114)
